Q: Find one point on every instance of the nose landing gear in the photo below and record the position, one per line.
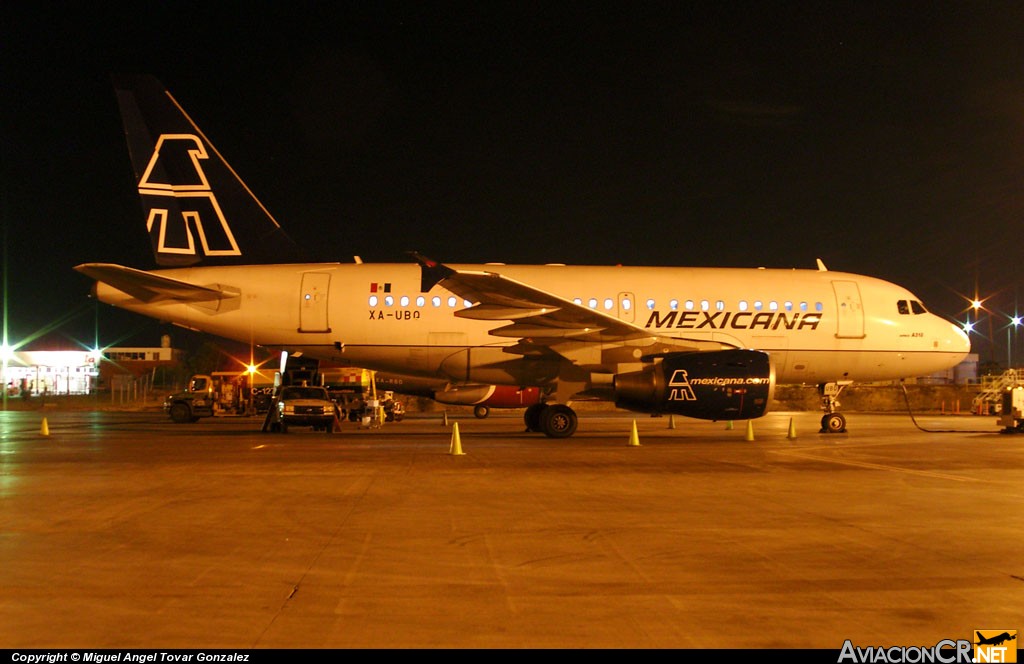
(832, 421)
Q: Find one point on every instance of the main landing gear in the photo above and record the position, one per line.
(832, 421)
(555, 420)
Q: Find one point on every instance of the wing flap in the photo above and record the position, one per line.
(519, 331)
(149, 287)
(499, 312)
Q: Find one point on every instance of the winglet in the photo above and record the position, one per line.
(432, 271)
(821, 265)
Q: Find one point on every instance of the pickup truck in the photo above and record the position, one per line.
(303, 405)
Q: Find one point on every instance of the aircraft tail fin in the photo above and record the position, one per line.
(197, 209)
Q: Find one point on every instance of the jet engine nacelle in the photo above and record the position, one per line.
(712, 385)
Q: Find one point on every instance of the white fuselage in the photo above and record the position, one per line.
(818, 326)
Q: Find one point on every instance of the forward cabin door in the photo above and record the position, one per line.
(849, 310)
(313, 302)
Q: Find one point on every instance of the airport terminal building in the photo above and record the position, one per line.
(31, 373)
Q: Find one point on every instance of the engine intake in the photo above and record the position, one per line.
(713, 385)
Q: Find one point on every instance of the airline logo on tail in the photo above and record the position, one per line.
(182, 207)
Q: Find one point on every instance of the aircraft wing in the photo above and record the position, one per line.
(149, 287)
(535, 317)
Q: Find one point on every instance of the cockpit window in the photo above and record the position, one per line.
(907, 307)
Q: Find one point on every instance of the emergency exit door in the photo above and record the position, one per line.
(313, 302)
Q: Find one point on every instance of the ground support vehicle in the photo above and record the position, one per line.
(303, 405)
(218, 394)
(1011, 416)
(355, 391)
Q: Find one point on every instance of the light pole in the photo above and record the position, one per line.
(1015, 322)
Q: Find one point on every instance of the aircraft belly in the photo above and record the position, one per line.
(489, 364)
(865, 365)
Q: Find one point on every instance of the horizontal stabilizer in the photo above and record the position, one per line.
(149, 287)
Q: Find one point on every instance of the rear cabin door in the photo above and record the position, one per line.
(313, 302)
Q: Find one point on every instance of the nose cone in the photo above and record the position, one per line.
(955, 342)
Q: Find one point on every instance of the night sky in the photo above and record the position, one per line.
(885, 140)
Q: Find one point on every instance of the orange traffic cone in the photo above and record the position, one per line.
(456, 447)
(634, 438)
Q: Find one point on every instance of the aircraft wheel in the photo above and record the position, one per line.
(181, 413)
(558, 421)
(532, 416)
(480, 412)
(833, 423)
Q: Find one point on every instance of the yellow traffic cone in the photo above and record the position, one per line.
(634, 438)
(45, 429)
(456, 447)
(671, 421)
(728, 425)
(750, 430)
(792, 430)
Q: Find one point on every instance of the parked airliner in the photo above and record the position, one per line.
(709, 343)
